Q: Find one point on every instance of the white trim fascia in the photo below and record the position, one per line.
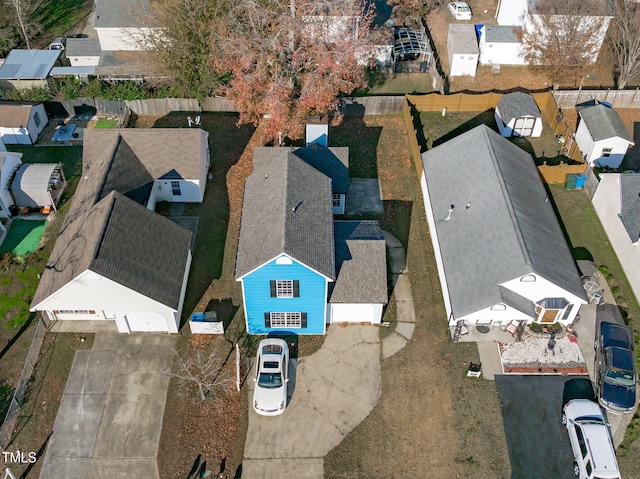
(33, 309)
(77, 278)
(292, 259)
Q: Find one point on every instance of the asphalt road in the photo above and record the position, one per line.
(532, 413)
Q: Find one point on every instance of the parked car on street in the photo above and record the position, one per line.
(615, 368)
(591, 440)
(460, 11)
(272, 376)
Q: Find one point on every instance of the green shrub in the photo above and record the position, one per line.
(6, 281)
(535, 327)
(603, 269)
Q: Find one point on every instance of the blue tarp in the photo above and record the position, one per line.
(64, 132)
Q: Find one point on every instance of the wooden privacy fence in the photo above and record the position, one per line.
(415, 104)
(618, 98)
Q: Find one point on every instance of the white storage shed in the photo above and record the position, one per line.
(517, 114)
(462, 47)
(500, 45)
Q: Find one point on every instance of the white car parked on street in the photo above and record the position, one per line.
(272, 376)
(591, 441)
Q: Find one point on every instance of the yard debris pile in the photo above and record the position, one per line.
(533, 355)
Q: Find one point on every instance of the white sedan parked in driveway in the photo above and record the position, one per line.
(272, 376)
(460, 10)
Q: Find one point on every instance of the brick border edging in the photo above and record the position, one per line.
(6, 430)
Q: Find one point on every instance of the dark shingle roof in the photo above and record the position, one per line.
(124, 254)
(98, 235)
(630, 204)
(287, 208)
(517, 105)
(509, 230)
(604, 122)
(332, 161)
(159, 150)
(361, 263)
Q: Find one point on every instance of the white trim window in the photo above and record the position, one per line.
(606, 152)
(337, 200)
(286, 320)
(175, 188)
(284, 288)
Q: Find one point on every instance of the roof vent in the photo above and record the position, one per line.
(295, 208)
(449, 213)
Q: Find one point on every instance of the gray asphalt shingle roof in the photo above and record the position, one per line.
(630, 204)
(83, 47)
(287, 208)
(517, 105)
(332, 161)
(361, 263)
(28, 64)
(509, 229)
(15, 114)
(109, 233)
(604, 122)
(123, 14)
(502, 33)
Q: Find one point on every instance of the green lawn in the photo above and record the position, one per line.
(106, 123)
(23, 237)
(588, 240)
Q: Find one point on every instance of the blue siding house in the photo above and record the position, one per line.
(286, 252)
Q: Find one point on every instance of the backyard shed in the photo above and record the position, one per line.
(462, 47)
(21, 123)
(500, 45)
(38, 185)
(517, 114)
(601, 135)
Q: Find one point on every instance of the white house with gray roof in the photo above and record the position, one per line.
(115, 259)
(500, 45)
(601, 135)
(617, 203)
(123, 24)
(517, 114)
(500, 252)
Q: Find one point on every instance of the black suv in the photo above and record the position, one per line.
(615, 368)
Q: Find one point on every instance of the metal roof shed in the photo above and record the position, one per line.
(462, 47)
(28, 64)
(38, 185)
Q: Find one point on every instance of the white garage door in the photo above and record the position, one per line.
(352, 313)
(146, 321)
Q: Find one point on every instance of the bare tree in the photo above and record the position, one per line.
(283, 59)
(417, 7)
(25, 17)
(564, 36)
(202, 374)
(625, 41)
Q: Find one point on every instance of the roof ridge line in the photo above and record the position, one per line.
(509, 203)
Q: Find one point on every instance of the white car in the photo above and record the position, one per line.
(590, 437)
(272, 376)
(460, 11)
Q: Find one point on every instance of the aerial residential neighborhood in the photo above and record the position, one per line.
(332, 239)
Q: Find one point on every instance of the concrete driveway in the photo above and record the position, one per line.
(110, 417)
(332, 392)
(538, 443)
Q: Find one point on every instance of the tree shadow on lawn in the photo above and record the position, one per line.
(362, 140)
(227, 142)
